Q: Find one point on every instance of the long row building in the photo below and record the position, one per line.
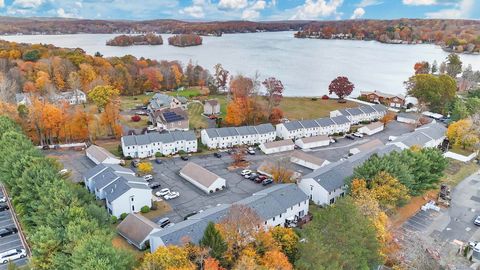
(232, 136)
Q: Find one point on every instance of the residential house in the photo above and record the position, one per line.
(73, 97)
(136, 229)
(313, 142)
(306, 160)
(372, 128)
(170, 119)
(161, 101)
(102, 171)
(146, 145)
(429, 135)
(395, 101)
(362, 113)
(277, 146)
(100, 155)
(276, 206)
(227, 137)
(202, 178)
(211, 107)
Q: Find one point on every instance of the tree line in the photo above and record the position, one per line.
(128, 40)
(185, 40)
(65, 227)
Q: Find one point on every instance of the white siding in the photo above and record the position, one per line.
(317, 193)
(125, 204)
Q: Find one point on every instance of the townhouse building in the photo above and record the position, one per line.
(233, 136)
(309, 128)
(146, 145)
(362, 113)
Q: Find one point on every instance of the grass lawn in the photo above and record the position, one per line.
(298, 108)
(459, 150)
(131, 102)
(187, 92)
(127, 121)
(457, 171)
(197, 120)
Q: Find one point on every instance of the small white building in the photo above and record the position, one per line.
(306, 160)
(277, 146)
(99, 155)
(211, 107)
(409, 118)
(429, 135)
(227, 137)
(313, 142)
(136, 229)
(372, 128)
(202, 178)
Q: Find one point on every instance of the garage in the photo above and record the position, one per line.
(313, 142)
(372, 128)
(100, 155)
(277, 146)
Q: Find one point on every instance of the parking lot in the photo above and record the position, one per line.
(12, 241)
(75, 161)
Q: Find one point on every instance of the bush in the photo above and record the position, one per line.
(128, 158)
(123, 216)
(314, 99)
(325, 97)
(341, 134)
(145, 209)
(113, 219)
(158, 154)
(136, 118)
(182, 153)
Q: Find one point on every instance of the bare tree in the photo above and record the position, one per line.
(8, 88)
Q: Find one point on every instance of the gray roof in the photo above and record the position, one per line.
(379, 108)
(355, 111)
(160, 100)
(340, 120)
(413, 116)
(99, 153)
(104, 178)
(422, 135)
(95, 170)
(367, 109)
(267, 203)
(136, 228)
(155, 137)
(434, 130)
(325, 122)
(309, 123)
(293, 125)
(242, 131)
(119, 187)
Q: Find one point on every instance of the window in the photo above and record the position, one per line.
(133, 207)
(132, 199)
(273, 218)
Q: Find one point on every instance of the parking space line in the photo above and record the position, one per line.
(13, 241)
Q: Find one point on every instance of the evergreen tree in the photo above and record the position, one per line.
(214, 240)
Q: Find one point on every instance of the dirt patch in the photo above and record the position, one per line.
(120, 243)
(409, 210)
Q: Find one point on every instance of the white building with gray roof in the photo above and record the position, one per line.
(146, 145)
(161, 101)
(227, 137)
(309, 128)
(274, 205)
(362, 113)
(429, 135)
(202, 178)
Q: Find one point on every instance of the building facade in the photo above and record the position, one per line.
(362, 113)
(228, 137)
(146, 145)
(395, 101)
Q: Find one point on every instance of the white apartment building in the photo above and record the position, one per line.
(146, 145)
(232, 136)
(362, 113)
(309, 128)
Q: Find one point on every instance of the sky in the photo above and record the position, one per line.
(255, 10)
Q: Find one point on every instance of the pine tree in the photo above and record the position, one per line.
(214, 240)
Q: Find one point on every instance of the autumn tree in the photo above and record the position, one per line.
(462, 133)
(287, 240)
(238, 156)
(244, 108)
(102, 95)
(212, 264)
(276, 260)
(145, 167)
(436, 92)
(274, 94)
(388, 191)
(276, 116)
(388, 117)
(168, 258)
(110, 119)
(281, 171)
(341, 87)
(220, 77)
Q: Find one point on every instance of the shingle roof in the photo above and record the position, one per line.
(199, 174)
(293, 125)
(264, 128)
(274, 144)
(242, 131)
(325, 122)
(99, 153)
(355, 111)
(379, 108)
(119, 187)
(340, 120)
(434, 130)
(307, 157)
(93, 171)
(367, 109)
(136, 228)
(413, 116)
(160, 100)
(315, 139)
(104, 178)
(422, 135)
(156, 137)
(374, 125)
(309, 123)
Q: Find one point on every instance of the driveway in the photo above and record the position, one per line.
(76, 162)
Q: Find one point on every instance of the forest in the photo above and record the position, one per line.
(127, 40)
(185, 40)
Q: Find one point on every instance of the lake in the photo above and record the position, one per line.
(305, 66)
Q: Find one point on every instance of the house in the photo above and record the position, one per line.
(308, 128)
(429, 135)
(161, 101)
(306, 160)
(146, 145)
(211, 106)
(362, 113)
(409, 118)
(433, 115)
(202, 178)
(372, 128)
(395, 101)
(170, 119)
(99, 155)
(227, 137)
(277, 146)
(276, 206)
(122, 191)
(368, 146)
(313, 142)
(73, 97)
(326, 184)
(23, 99)
(136, 229)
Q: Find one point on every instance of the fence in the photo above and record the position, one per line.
(460, 157)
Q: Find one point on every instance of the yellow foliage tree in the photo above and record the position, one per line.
(462, 133)
(388, 191)
(276, 260)
(167, 258)
(145, 167)
(103, 95)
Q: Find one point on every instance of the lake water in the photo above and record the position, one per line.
(305, 66)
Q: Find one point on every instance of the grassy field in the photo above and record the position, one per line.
(130, 102)
(459, 150)
(457, 171)
(127, 121)
(110, 145)
(197, 120)
(188, 92)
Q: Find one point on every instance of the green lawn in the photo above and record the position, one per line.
(126, 120)
(459, 150)
(197, 120)
(131, 102)
(187, 92)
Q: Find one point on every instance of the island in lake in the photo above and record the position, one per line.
(185, 40)
(126, 40)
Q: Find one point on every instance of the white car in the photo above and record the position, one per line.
(171, 195)
(63, 171)
(358, 134)
(3, 199)
(11, 255)
(162, 192)
(246, 172)
(148, 177)
(477, 221)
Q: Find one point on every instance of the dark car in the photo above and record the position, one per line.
(350, 137)
(8, 231)
(45, 147)
(158, 161)
(217, 155)
(261, 178)
(153, 185)
(4, 207)
(184, 158)
(267, 181)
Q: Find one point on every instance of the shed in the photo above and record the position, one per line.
(100, 155)
(366, 146)
(409, 118)
(202, 178)
(372, 128)
(306, 160)
(312, 142)
(136, 229)
(211, 107)
(277, 146)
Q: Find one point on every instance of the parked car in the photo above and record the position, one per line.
(8, 231)
(184, 158)
(261, 177)
(358, 134)
(477, 221)
(333, 140)
(158, 161)
(4, 207)
(245, 172)
(163, 222)
(251, 151)
(45, 147)
(135, 162)
(171, 195)
(3, 199)
(253, 176)
(13, 254)
(148, 177)
(350, 137)
(154, 185)
(162, 192)
(267, 181)
(217, 155)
